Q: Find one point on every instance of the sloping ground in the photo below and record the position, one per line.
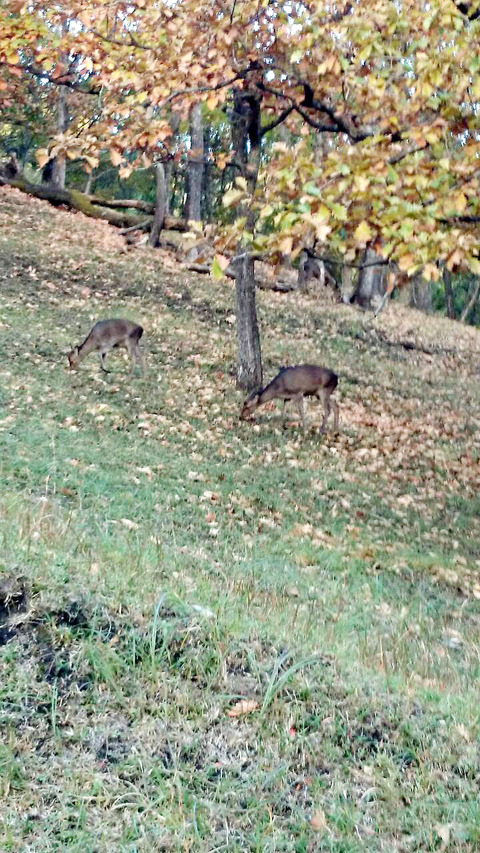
(163, 561)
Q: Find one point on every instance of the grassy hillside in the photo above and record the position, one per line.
(162, 561)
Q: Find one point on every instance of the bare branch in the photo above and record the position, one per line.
(281, 118)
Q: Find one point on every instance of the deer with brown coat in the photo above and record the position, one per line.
(107, 335)
(295, 383)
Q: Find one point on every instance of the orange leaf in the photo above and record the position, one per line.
(245, 706)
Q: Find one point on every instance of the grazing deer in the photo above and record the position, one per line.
(107, 334)
(295, 383)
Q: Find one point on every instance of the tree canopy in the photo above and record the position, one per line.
(378, 100)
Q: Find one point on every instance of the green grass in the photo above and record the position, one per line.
(162, 561)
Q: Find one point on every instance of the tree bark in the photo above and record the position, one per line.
(448, 289)
(371, 287)
(249, 357)
(246, 142)
(59, 163)
(132, 203)
(472, 298)
(78, 201)
(160, 206)
(347, 286)
(196, 165)
(422, 294)
(53, 174)
(97, 207)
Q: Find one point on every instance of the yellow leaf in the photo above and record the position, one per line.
(361, 182)
(460, 202)
(241, 182)
(431, 272)
(476, 88)
(231, 197)
(406, 262)
(115, 157)
(245, 706)
(322, 232)
(474, 265)
(363, 233)
(42, 156)
(454, 259)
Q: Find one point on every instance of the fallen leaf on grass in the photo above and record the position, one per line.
(318, 821)
(245, 706)
(127, 522)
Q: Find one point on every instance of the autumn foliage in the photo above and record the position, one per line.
(374, 106)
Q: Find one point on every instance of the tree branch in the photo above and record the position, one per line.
(281, 118)
(64, 80)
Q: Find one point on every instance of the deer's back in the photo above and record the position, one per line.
(110, 331)
(306, 378)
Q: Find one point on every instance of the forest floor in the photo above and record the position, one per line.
(162, 561)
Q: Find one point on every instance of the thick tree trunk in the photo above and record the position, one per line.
(249, 358)
(471, 300)
(53, 174)
(168, 187)
(422, 294)
(347, 287)
(97, 207)
(371, 287)
(246, 142)
(59, 163)
(448, 289)
(196, 165)
(160, 206)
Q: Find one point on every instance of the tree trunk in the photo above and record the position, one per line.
(448, 289)
(246, 142)
(96, 207)
(310, 267)
(371, 287)
(195, 167)
(471, 300)
(160, 205)
(249, 357)
(53, 173)
(168, 187)
(347, 287)
(422, 294)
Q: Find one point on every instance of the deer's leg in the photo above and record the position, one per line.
(134, 353)
(284, 412)
(324, 396)
(301, 410)
(102, 356)
(336, 414)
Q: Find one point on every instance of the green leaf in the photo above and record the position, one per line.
(216, 270)
(340, 212)
(312, 189)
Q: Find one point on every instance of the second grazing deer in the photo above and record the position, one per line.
(295, 383)
(107, 335)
